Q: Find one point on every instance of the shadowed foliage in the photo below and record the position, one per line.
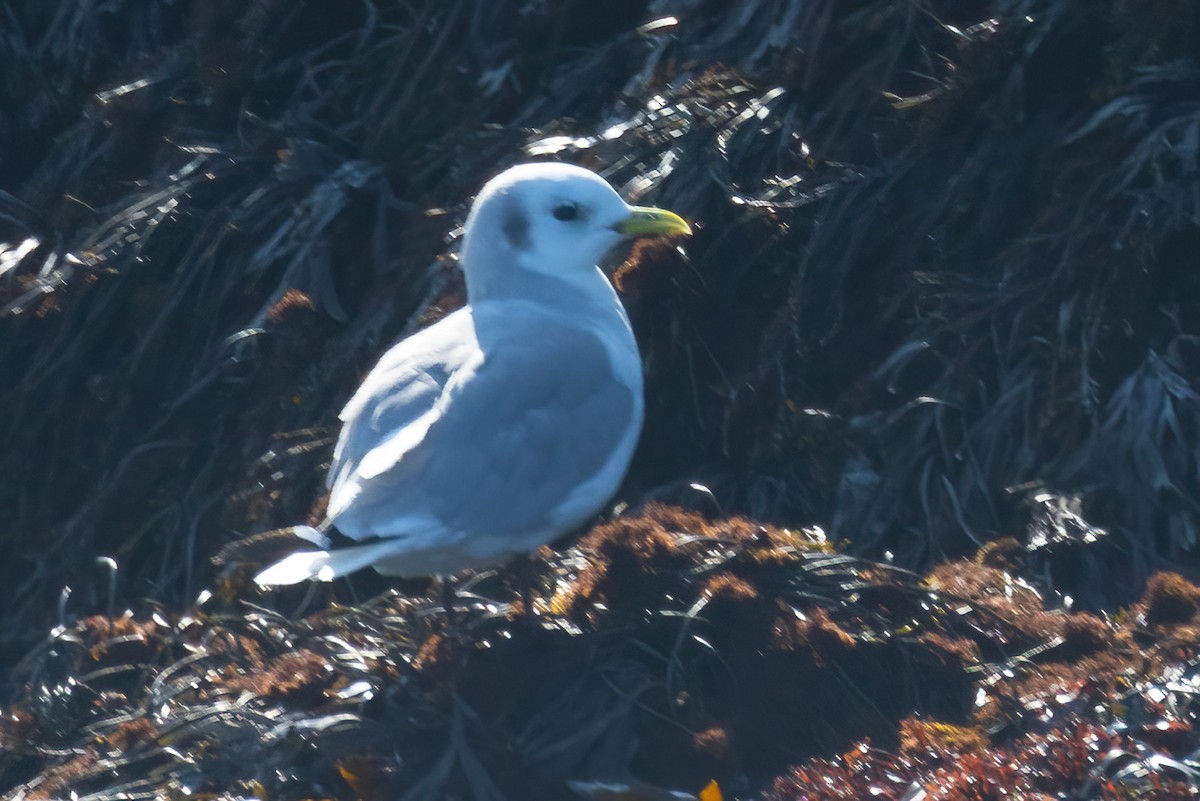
(941, 301)
(664, 646)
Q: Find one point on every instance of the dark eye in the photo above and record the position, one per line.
(566, 212)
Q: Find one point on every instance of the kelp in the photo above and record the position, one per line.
(666, 649)
(940, 301)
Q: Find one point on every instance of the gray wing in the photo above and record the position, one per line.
(402, 387)
(511, 437)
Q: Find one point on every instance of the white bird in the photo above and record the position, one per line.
(511, 421)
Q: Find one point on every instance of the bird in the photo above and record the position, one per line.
(510, 422)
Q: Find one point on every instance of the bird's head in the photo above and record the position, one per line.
(550, 218)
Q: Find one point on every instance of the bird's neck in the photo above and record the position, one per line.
(583, 293)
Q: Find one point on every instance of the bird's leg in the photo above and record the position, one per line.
(309, 596)
(526, 576)
(447, 589)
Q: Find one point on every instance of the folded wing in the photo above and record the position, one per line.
(516, 429)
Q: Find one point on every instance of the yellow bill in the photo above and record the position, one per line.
(645, 220)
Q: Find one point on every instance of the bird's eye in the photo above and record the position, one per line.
(566, 212)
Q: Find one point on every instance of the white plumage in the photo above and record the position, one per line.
(511, 421)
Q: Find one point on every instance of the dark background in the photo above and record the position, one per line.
(943, 288)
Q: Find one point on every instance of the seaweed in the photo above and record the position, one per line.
(937, 320)
(665, 649)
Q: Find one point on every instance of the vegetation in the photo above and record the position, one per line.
(940, 303)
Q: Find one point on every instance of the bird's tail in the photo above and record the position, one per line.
(314, 535)
(322, 565)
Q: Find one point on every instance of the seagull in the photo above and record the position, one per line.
(510, 422)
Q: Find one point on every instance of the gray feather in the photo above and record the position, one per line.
(539, 418)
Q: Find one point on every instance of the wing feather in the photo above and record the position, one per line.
(388, 409)
(514, 430)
